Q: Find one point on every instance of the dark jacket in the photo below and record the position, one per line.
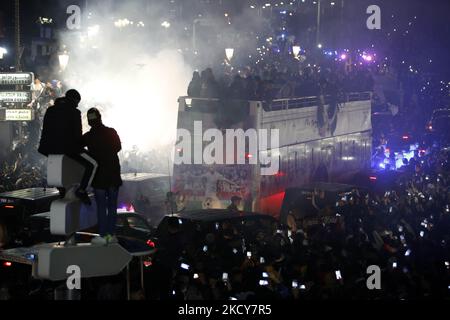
(195, 88)
(61, 132)
(233, 208)
(103, 144)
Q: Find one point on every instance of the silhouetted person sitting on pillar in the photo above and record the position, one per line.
(62, 135)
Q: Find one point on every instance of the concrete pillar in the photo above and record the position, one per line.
(6, 138)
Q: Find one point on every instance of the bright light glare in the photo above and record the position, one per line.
(137, 97)
(63, 60)
(229, 52)
(121, 23)
(93, 31)
(3, 51)
(367, 58)
(296, 50)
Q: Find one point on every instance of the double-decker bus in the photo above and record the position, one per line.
(319, 139)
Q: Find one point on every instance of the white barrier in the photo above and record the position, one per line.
(68, 215)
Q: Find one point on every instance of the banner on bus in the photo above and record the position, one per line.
(212, 187)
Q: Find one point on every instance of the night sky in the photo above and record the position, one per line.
(424, 40)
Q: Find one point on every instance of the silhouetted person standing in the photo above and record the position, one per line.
(104, 145)
(62, 134)
(195, 86)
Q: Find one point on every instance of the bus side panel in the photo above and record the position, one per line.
(310, 152)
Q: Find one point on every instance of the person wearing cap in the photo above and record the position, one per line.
(235, 203)
(104, 144)
(62, 134)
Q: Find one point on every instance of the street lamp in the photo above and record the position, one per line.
(165, 24)
(122, 23)
(229, 52)
(63, 60)
(93, 31)
(296, 51)
(3, 51)
(318, 21)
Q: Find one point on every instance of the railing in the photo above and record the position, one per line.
(206, 105)
(211, 104)
(297, 103)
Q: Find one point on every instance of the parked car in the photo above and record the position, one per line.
(132, 229)
(438, 113)
(146, 193)
(439, 122)
(194, 227)
(16, 208)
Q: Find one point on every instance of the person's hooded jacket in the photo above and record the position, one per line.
(62, 129)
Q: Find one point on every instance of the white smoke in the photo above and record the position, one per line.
(136, 77)
(134, 82)
(137, 96)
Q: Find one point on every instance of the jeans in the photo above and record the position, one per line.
(106, 210)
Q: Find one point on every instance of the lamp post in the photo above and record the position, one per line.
(229, 52)
(17, 33)
(63, 60)
(318, 22)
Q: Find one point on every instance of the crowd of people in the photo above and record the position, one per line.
(403, 228)
(44, 94)
(275, 82)
(21, 168)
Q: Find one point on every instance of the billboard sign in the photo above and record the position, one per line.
(16, 114)
(12, 79)
(15, 97)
